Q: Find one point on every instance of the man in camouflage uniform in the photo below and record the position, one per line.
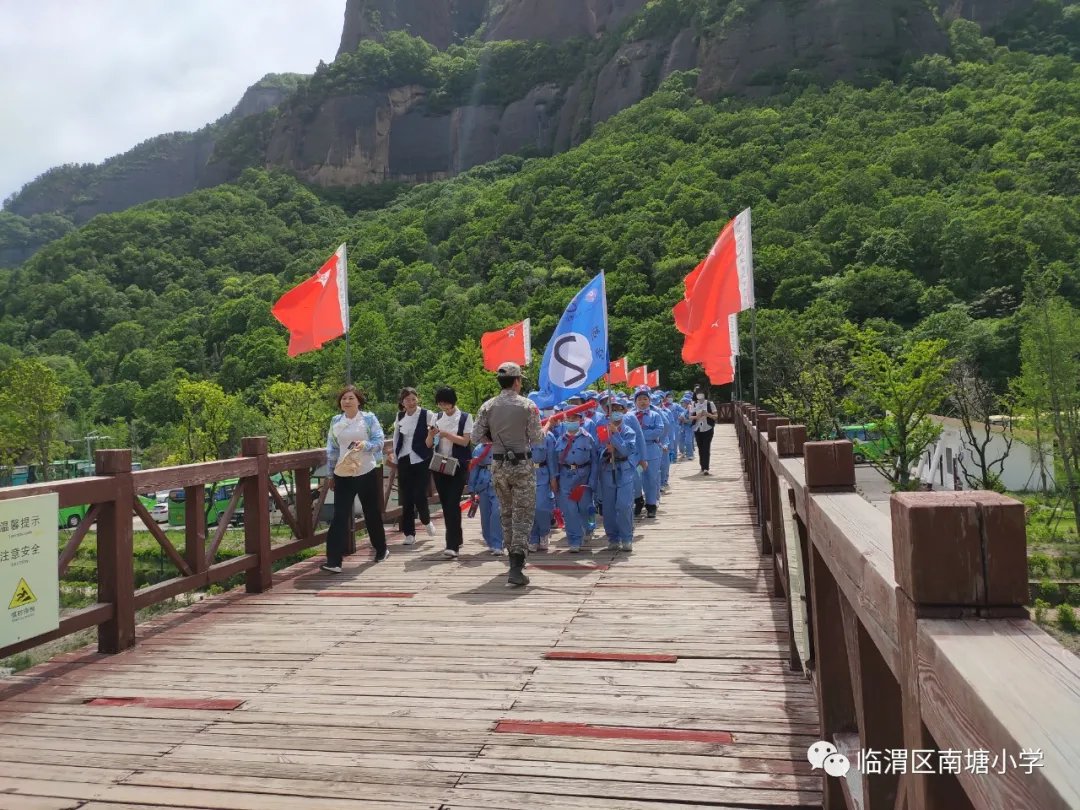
(512, 424)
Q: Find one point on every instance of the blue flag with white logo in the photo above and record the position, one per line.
(577, 354)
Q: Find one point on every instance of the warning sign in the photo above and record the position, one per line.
(23, 596)
(29, 584)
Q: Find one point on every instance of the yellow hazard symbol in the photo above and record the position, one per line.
(23, 596)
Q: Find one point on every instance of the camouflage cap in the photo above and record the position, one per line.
(509, 370)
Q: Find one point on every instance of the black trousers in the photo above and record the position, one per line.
(346, 489)
(412, 494)
(450, 489)
(704, 445)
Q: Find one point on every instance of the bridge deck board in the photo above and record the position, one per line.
(393, 702)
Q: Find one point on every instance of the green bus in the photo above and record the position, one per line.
(218, 501)
(70, 516)
(869, 442)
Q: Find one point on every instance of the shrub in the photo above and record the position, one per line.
(1049, 591)
(1067, 620)
(1072, 595)
(1039, 565)
(1040, 611)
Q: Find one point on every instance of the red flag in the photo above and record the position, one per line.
(317, 310)
(638, 376)
(617, 371)
(654, 379)
(723, 284)
(510, 345)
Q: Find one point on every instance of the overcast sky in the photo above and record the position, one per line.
(82, 80)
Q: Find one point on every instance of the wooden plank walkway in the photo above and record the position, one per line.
(347, 699)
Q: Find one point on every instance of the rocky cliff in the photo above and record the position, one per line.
(393, 134)
(354, 133)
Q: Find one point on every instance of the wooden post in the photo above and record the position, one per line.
(195, 528)
(830, 466)
(257, 515)
(116, 554)
(774, 423)
(836, 704)
(302, 491)
(955, 554)
(790, 440)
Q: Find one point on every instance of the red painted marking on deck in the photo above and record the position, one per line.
(658, 585)
(580, 655)
(567, 567)
(540, 727)
(368, 594)
(196, 704)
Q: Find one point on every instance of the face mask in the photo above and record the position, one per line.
(616, 418)
(572, 427)
(700, 397)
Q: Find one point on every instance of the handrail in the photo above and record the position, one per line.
(918, 638)
(112, 496)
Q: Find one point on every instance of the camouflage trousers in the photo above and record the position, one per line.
(515, 487)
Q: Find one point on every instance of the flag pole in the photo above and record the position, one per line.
(348, 361)
(348, 326)
(753, 347)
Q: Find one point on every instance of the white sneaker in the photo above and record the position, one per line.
(575, 549)
(497, 552)
(543, 543)
(627, 546)
(613, 545)
(449, 553)
(430, 529)
(410, 539)
(534, 547)
(330, 569)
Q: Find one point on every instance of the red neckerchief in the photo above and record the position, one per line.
(476, 462)
(567, 449)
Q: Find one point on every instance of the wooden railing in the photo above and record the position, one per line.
(112, 496)
(913, 629)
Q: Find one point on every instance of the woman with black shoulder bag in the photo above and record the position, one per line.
(412, 454)
(703, 417)
(450, 437)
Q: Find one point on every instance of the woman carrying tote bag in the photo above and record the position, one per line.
(450, 436)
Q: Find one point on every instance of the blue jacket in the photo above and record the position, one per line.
(654, 427)
(582, 452)
(624, 440)
(375, 439)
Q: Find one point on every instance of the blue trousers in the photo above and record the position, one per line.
(665, 467)
(491, 519)
(650, 481)
(545, 507)
(617, 488)
(686, 439)
(575, 515)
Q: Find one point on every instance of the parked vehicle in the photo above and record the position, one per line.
(869, 443)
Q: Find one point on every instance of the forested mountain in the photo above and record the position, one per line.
(425, 89)
(918, 206)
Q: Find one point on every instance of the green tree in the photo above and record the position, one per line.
(902, 393)
(1050, 374)
(298, 415)
(31, 401)
(205, 421)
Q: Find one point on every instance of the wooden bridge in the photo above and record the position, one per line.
(694, 672)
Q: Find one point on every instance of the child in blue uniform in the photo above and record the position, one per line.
(573, 479)
(479, 483)
(617, 459)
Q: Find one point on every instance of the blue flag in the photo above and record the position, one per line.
(578, 352)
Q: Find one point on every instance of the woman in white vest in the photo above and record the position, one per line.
(353, 452)
(412, 454)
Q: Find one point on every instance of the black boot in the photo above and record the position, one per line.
(639, 504)
(517, 576)
(651, 511)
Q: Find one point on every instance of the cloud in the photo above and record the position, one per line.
(80, 82)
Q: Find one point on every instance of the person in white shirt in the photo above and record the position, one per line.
(354, 446)
(451, 435)
(702, 417)
(412, 454)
